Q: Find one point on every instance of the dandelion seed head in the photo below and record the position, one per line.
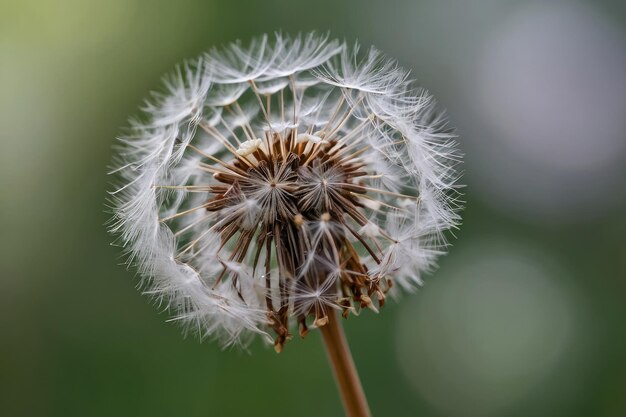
(272, 182)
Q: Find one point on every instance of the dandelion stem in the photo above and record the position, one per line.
(346, 375)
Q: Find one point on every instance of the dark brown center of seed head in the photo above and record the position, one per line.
(307, 184)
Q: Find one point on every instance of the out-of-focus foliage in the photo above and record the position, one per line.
(525, 316)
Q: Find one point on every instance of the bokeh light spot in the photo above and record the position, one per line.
(487, 331)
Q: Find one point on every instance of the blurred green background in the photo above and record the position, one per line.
(526, 316)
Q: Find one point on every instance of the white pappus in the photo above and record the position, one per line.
(269, 183)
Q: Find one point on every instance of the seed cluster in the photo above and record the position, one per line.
(305, 188)
(270, 183)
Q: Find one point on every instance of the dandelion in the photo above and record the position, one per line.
(273, 187)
